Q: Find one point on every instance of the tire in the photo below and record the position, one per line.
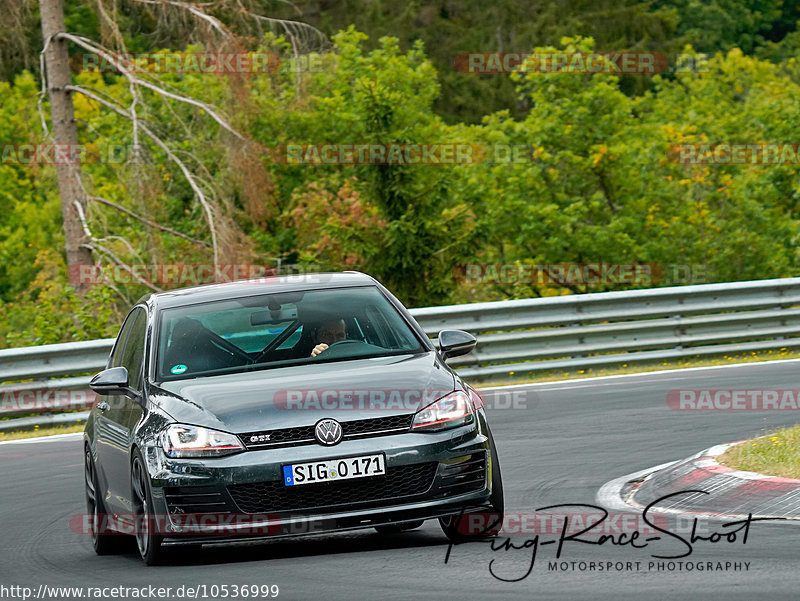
(148, 542)
(104, 541)
(456, 527)
(401, 527)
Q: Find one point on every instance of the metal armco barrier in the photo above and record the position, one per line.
(520, 338)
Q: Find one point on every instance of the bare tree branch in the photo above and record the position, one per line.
(215, 23)
(110, 23)
(152, 224)
(127, 245)
(95, 245)
(147, 222)
(304, 38)
(43, 92)
(126, 72)
(190, 178)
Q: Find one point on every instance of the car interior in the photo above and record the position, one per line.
(271, 331)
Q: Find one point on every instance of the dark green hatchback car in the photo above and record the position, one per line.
(281, 407)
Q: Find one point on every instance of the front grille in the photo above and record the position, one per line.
(278, 438)
(361, 428)
(378, 425)
(463, 475)
(399, 482)
(196, 499)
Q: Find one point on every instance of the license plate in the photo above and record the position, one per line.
(334, 469)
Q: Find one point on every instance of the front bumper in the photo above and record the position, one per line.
(456, 462)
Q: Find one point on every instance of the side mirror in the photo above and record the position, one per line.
(113, 381)
(454, 343)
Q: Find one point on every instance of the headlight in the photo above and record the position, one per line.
(182, 441)
(450, 411)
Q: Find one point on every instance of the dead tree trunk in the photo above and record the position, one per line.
(65, 136)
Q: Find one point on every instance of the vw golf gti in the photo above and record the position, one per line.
(296, 405)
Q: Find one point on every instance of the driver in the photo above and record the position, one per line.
(328, 333)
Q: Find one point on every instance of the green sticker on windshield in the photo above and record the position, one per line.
(178, 369)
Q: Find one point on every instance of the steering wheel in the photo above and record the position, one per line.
(345, 341)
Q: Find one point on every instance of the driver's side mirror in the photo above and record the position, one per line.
(113, 381)
(454, 343)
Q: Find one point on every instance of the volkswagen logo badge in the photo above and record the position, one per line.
(328, 432)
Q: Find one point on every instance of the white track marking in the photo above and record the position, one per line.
(44, 438)
(609, 494)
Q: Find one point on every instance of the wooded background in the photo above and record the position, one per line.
(200, 182)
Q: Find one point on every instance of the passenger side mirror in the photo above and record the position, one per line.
(455, 343)
(113, 381)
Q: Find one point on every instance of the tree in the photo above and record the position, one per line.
(600, 184)
(65, 133)
(79, 239)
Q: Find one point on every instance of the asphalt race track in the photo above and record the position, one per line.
(560, 450)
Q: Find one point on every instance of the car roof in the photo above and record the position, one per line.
(254, 287)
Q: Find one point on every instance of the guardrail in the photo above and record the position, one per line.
(524, 337)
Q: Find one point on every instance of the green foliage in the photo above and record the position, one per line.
(720, 25)
(29, 206)
(380, 97)
(49, 310)
(599, 185)
(595, 183)
(449, 28)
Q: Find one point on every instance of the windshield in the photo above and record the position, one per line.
(275, 330)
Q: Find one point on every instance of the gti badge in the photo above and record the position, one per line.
(328, 432)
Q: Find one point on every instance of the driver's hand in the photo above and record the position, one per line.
(318, 349)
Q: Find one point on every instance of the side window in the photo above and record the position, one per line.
(133, 355)
(119, 345)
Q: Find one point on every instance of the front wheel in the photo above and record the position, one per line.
(148, 540)
(462, 527)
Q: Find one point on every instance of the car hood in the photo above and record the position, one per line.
(302, 395)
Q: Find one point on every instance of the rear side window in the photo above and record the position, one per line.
(119, 345)
(133, 354)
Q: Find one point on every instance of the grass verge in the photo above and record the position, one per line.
(40, 432)
(776, 454)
